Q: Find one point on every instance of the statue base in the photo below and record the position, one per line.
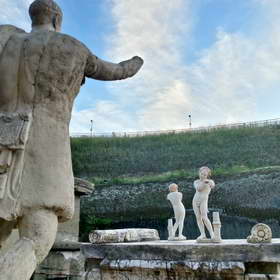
(229, 260)
(208, 240)
(179, 238)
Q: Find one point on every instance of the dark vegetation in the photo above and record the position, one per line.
(160, 158)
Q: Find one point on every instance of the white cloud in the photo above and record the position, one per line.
(154, 30)
(225, 84)
(237, 74)
(15, 12)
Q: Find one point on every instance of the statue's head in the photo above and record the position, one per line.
(46, 12)
(204, 172)
(173, 187)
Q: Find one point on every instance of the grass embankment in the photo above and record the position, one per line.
(167, 157)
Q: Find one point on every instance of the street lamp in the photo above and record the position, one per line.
(91, 128)
(190, 121)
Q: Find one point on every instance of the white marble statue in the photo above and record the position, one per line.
(175, 198)
(203, 187)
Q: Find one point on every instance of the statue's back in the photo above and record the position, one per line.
(40, 74)
(39, 65)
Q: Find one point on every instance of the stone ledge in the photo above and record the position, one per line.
(67, 246)
(210, 267)
(261, 277)
(227, 251)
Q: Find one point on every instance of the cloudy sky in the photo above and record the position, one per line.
(218, 60)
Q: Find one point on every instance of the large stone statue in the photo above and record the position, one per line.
(175, 198)
(40, 75)
(203, 187)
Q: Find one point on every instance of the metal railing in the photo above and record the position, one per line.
(271, 122)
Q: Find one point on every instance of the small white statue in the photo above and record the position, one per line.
(203, 187)
(175, 198)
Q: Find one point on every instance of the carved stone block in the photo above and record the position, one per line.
(14, 130)
(217, 228)
(123, 235)
(260, 233)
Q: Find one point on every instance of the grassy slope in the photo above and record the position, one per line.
(165, 157)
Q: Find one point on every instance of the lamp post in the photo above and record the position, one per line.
(91, 128)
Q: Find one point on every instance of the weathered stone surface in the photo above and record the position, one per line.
(217, 227)
(19, 263)
(70, 230)
(146, 270)
(62, 264)
(123, 235)
(261, 277)
(66, 246)
(14, 128)
(68, 233)
(188, 260)
(260, 233)
(83, 187)
(263, 268)
(227, 251)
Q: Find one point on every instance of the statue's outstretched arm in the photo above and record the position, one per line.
(99, 69)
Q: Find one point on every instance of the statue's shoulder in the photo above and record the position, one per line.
(10, 29)
(69, 41)
(6, 31)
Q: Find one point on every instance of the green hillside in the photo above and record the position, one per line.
(164, 157)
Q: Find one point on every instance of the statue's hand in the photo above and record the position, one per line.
(132, 66)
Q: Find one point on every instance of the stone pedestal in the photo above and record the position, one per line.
(217, 227)
(184, 260)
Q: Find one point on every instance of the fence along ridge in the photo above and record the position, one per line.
(184, 130)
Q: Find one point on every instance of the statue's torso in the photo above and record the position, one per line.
(203, 195)
(41, 73)
(176, 200)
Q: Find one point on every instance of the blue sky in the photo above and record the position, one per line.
(218, 60)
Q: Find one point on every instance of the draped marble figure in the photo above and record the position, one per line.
(41, 73)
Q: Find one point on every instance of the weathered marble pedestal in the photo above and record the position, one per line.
(231, 259)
